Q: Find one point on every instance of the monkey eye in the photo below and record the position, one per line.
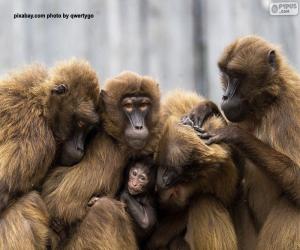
(80, 124)
(144, 106)
(128, 106)
(60, 89)
(134, 172)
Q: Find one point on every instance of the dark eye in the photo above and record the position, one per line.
(80, 124)
(142, 178)
(128, 107)
(60, 89)
(134, 172)
(144, 106)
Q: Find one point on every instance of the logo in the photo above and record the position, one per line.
(284, 9)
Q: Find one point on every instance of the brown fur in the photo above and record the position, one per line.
(272, 189)
(209, 225)
(25, 135)
(31, 130)
(25, 224)
(108, 227)
(216, 230)
(68, 190)
(128, 83)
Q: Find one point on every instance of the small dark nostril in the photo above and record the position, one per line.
(224, 97)
(80, 149)
(138, 127)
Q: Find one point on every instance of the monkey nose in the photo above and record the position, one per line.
(80, 148)
(138, 127)
(224, 97)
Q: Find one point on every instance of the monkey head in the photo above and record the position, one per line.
(131, 104)
(141, 176)
(250, 77)
(185, 163)
(73, 95)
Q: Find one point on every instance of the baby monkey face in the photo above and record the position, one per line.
(138, 179)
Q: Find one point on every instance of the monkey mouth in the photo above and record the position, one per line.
(171, 193)
(137, 143)
(174, 193)
(133, 191)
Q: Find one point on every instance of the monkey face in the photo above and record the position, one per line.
(72, 105)
(131, 109)
(176, 196)
(234, 106)
(138, 180)
(248, 67)
(168, 176)
(72, 150)
(136, 109)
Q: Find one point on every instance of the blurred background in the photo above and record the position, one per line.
(178, 42)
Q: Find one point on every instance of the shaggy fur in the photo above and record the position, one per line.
(25, 224)
(212, 185)
(125, 84)
(68, 190)
(31, 127)
(272, 183)
(27, 145)
(108, 228)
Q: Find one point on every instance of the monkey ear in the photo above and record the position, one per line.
(272, 58)
(60, 89)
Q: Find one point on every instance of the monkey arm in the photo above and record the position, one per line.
(200, 113)
(142, 213)
(283, 170)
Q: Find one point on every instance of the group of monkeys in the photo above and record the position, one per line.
(110, 169)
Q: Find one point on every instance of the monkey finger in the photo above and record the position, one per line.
(93, 201)
(205, 136)
(199, 129)
(213, 140)
(197, 121)
(186, 121)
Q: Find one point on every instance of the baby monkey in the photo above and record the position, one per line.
(138, 195)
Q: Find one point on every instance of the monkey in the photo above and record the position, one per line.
(138, 195)
(261, 101)
(39, 113)
(130, 121)
(196, 183)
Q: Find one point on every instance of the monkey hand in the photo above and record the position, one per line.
(200, 114)
(230, 134)
(124, 197)
(92, 201)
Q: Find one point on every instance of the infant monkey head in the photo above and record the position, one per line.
(141, 176)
